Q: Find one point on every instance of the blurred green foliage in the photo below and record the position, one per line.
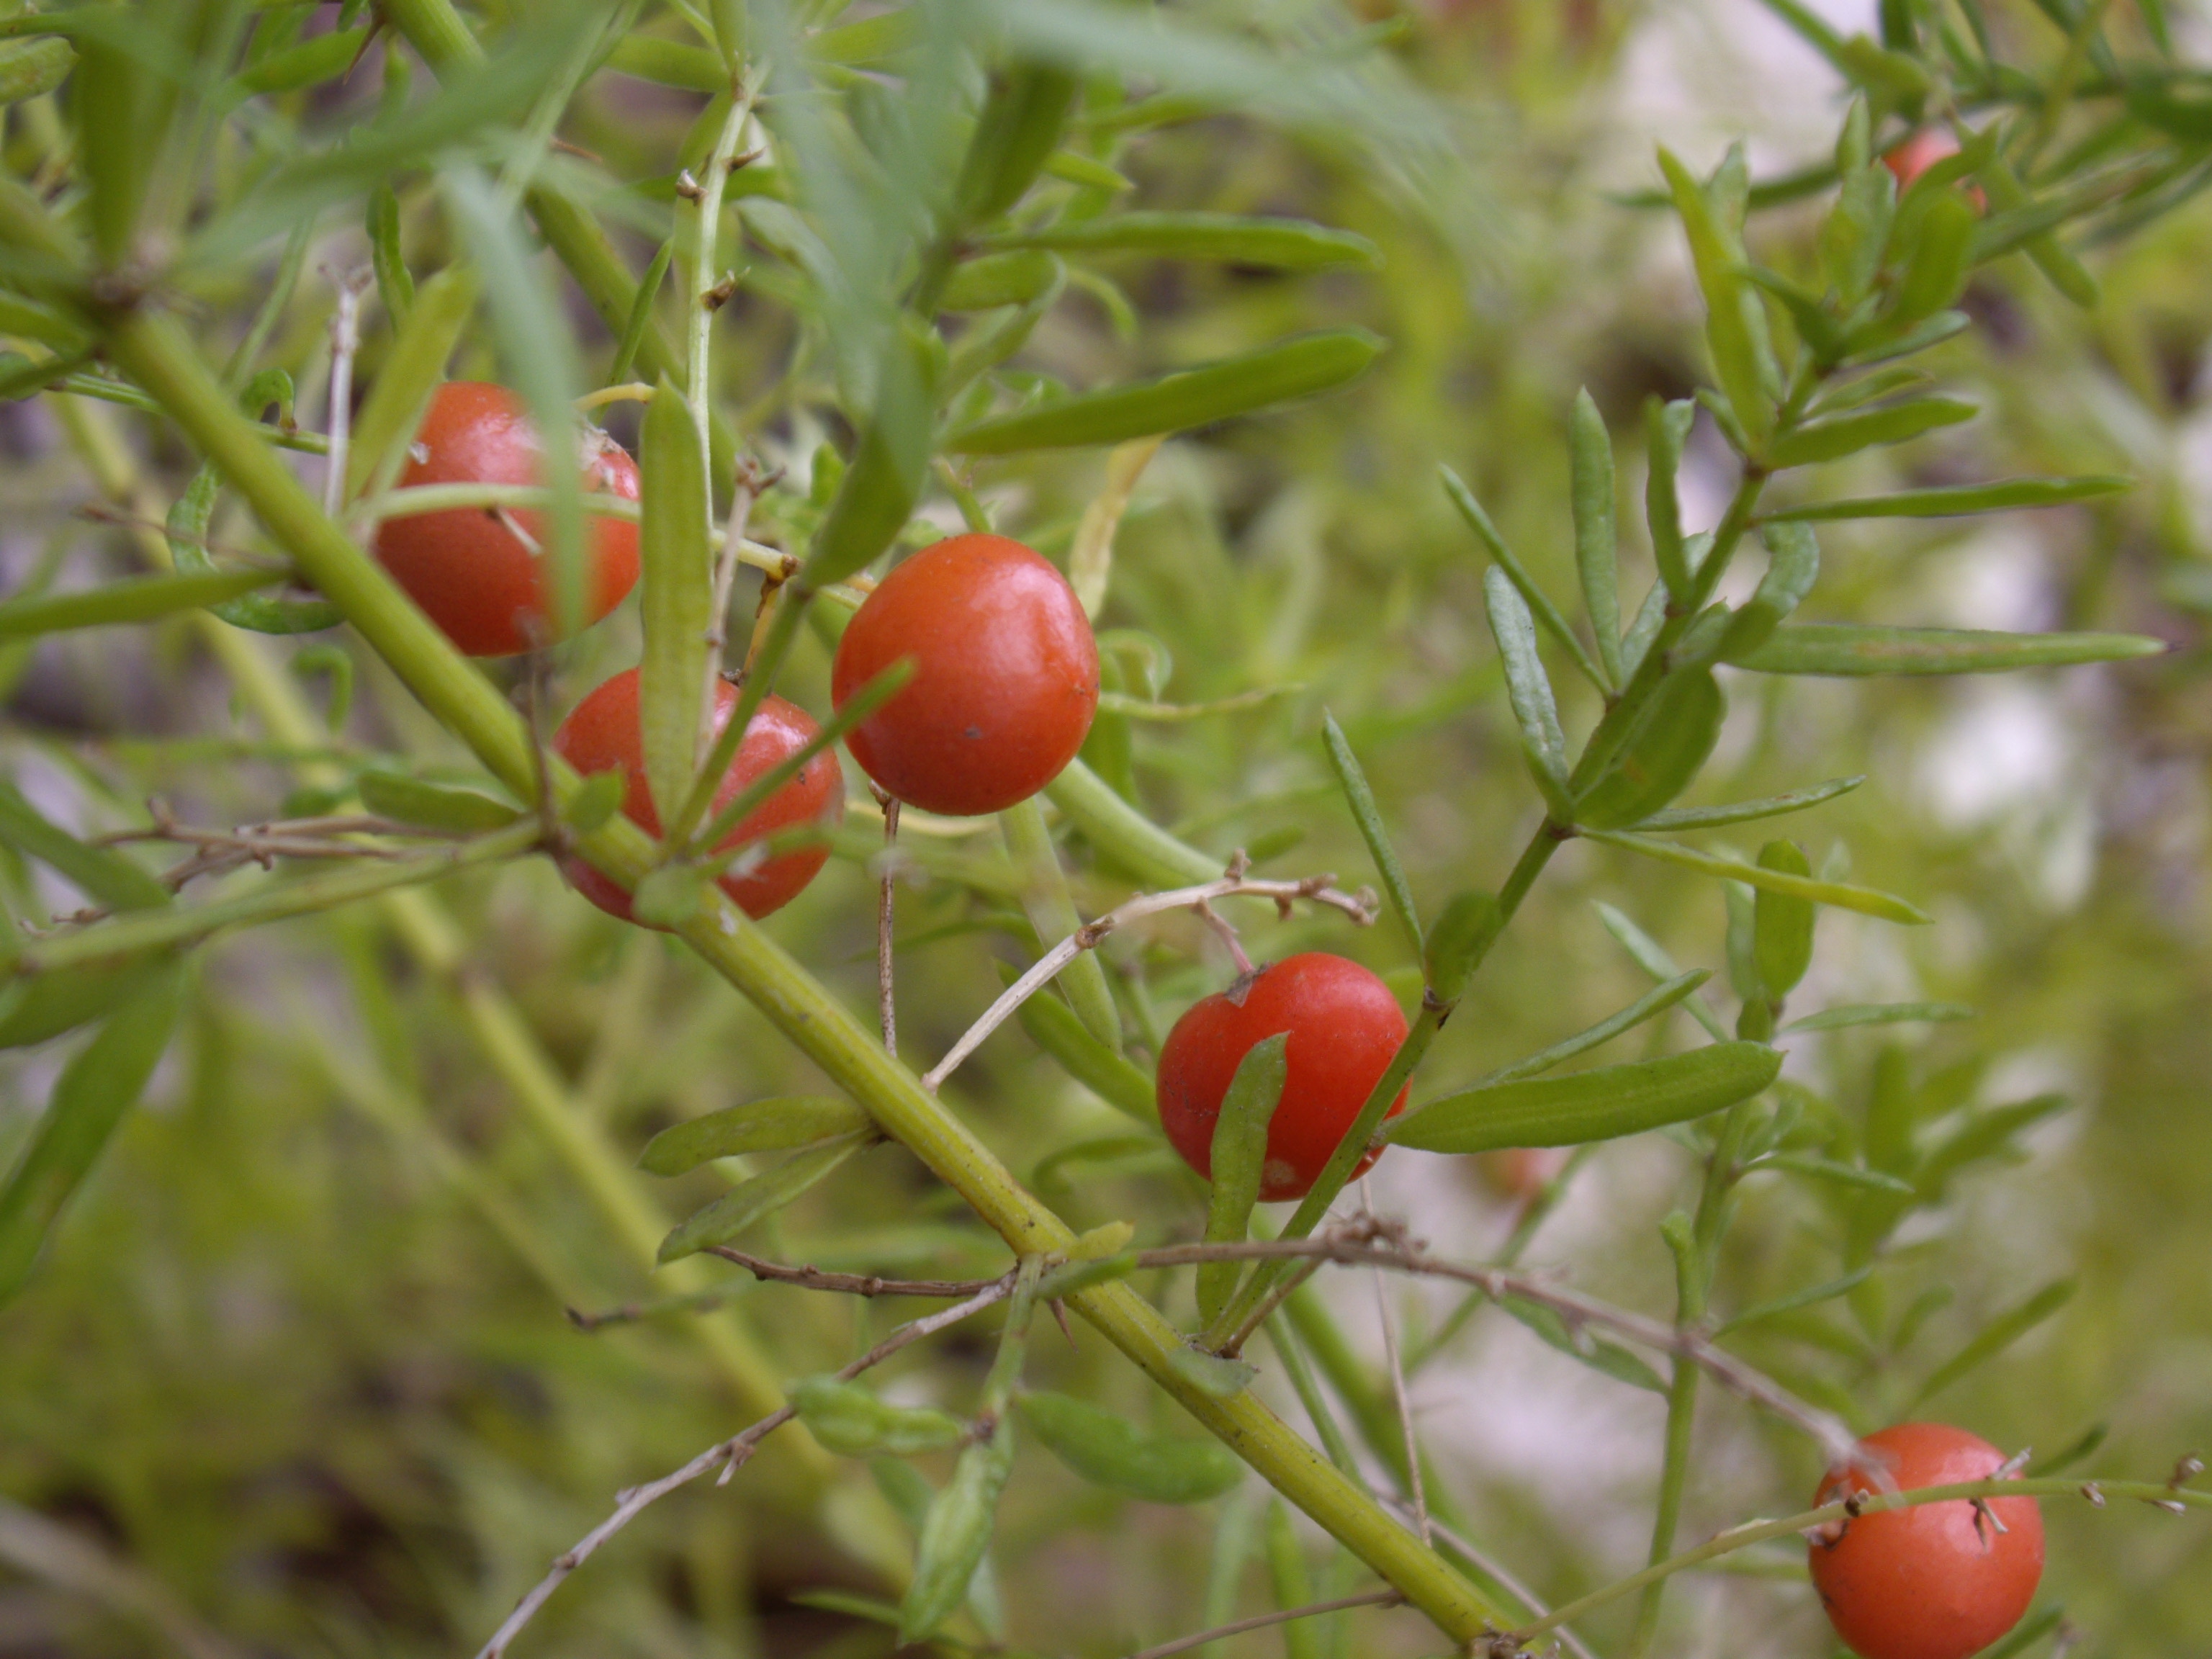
(294, 1376)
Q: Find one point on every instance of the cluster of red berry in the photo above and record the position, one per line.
(1006, 670)
(1005, 688)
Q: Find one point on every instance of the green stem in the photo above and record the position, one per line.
(156, 352)
(274, 901)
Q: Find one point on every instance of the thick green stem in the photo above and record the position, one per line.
(153, 350)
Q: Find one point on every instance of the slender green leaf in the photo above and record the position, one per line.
(1020, 128)
(758, 1126)
(1956, 499)
(1296, 367)
(956, 1532)
(1238, 1160)
(1849, 1175)
(1530, 689)
(187, 530)
(101, 873)
(1826, 1291)
(1840, 894)
(851, 1421)
(1852, 650)
(1847, 435)
(1710, 818)
(1368, 817)
(408, 799)
(1648, 955)
(1054, 1027)
(1595, 537)
(880, 488)
(1666, 428)
(395, 284)
(29, 69)
(36, 1007)
(101, 1083)
(1608, 1357)
(1455, 945)
(1012, 278)
(1936, 274)
(392, 411)
(1649, 1006)
(1997, 1336)
(1782, 926)
(639, 320)
(1051, 909)
(1111, 1451)
(1879, 1013)
(1209, 1373)
(677, 595)
(1603, 1104)
(1276, 244)
(1539, 603)
(752, 1201)
(1727, 331)
(144, 598)
(1681, 725)
(1793, 565)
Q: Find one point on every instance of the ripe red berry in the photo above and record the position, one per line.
(1345, 1027)
(1937, 1582)
(603, 734)
(1006, 676)
(486, 586)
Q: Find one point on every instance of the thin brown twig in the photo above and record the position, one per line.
(1382, 1598)
(870, 1284)
(1319, 890)
(1377, 1243)
(729, 1455)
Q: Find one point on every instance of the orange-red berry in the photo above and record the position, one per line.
(1922, 151)
(1345, 1026)
(603, 734)
(1006, 676)
(1941, 1581)
(487, 586)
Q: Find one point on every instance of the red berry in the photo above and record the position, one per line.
(1937, 1582)
(603, 734)
(1345, 1027)
(1006, 676)
(472, 575)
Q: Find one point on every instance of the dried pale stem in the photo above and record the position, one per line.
(1319, 890)
(345, 341)
(1377, 1598)
(750, 481)
(1414, 1491)
(728, 1456)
